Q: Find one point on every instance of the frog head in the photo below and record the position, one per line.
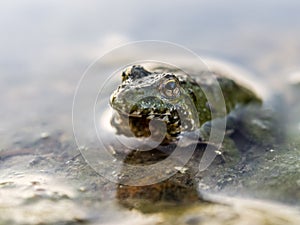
(144, 96)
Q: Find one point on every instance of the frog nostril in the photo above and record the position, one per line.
(112, 99)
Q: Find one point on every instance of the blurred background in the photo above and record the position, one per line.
(47, 45)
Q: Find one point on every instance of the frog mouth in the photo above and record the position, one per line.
(148, 114)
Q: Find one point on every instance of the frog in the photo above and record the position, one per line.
(165, 94)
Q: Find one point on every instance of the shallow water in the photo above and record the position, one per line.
(47, 46)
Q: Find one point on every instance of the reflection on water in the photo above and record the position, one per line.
(45, 48)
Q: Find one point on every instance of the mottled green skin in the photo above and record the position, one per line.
(141, 98)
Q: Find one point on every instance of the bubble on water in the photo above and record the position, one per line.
(92, 116)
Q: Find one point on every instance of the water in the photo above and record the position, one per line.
(46, 47)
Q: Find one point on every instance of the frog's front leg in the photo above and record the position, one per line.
(226, 148)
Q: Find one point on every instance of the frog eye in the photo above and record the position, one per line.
(170, 88)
